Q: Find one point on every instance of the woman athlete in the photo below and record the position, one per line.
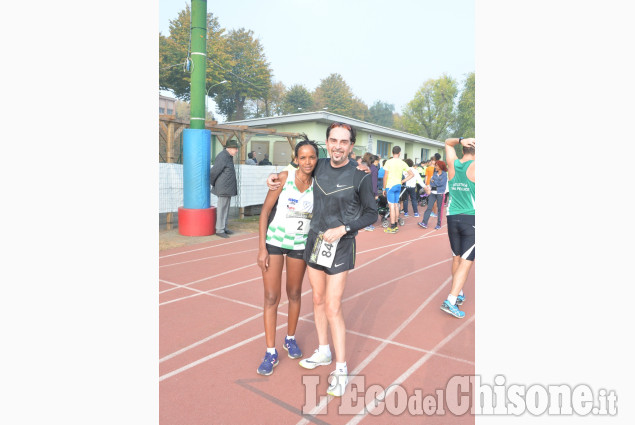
(284, 232)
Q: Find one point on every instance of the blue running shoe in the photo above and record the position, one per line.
(416, 215)
(460, 299)
(452, 309)
(292, 348)
(267, 365)
(423, 226)
(437, 227)
(406, 215)
(433, 215)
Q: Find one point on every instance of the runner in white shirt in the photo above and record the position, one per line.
(283, 231)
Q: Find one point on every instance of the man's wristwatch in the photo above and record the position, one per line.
(347, 228)
(460, 138)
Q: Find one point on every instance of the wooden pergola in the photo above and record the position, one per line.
(170, 129)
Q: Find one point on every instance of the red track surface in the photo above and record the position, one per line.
(212, 335)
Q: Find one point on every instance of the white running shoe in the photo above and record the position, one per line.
(317, 359)
(337, 383)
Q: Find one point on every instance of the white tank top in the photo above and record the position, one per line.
(290, 225)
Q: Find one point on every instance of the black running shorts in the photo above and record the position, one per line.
(291, 253)
(462, 234)
(344, 255)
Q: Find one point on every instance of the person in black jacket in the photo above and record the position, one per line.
(265, 161)
(343, 204)
(222, 178)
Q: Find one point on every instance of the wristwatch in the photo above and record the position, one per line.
(460, 138)
(347, 228)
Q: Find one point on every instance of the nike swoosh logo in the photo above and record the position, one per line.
(341, 185)
(337, 265)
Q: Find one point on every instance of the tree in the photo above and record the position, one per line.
(381, 113)
(267, 107)
(174, 52)
(273, 104)
(297, 99)
(182, 110)
(465, 116)
(398, 122)
(333, 93)
(432, 113)
(359, 110)
(248, 74)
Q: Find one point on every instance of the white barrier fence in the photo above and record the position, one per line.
(252, 186)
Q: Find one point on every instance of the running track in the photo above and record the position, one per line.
(212, 337)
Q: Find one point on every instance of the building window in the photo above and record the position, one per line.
(170, 112)
(424, 154)
(162, 111)
(382, 148)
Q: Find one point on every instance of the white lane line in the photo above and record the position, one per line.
(399, 344)
(372, 405)
(259, 307)
(199, 292)
(217, 334)
(176, 353)
(211, 277)
(359, 294)
(209, 338)
(206, 247)
(257, 316)
(216, 354)
(307, 315)
(401, 243)
(207, 258)
(325, 401)
(306, 319)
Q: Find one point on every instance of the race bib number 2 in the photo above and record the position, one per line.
(299, 222)
(323, 252)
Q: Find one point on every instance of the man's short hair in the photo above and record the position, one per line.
(469, 150)
(409, 162)
(437, 156)
(250, 155)
(396, 150)
(348, 127)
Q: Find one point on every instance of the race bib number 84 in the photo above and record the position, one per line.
(323, 252)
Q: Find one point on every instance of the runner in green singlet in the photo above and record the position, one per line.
(461, 219)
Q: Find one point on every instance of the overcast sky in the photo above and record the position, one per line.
(383, 50)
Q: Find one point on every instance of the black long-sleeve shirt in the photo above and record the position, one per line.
(342, 196)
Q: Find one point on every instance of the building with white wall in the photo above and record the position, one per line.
(371, 138)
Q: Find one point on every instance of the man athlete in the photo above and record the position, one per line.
(393, 179)
(343, 203)
(460, 218)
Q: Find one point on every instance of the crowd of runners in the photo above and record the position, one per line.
(315, 208)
